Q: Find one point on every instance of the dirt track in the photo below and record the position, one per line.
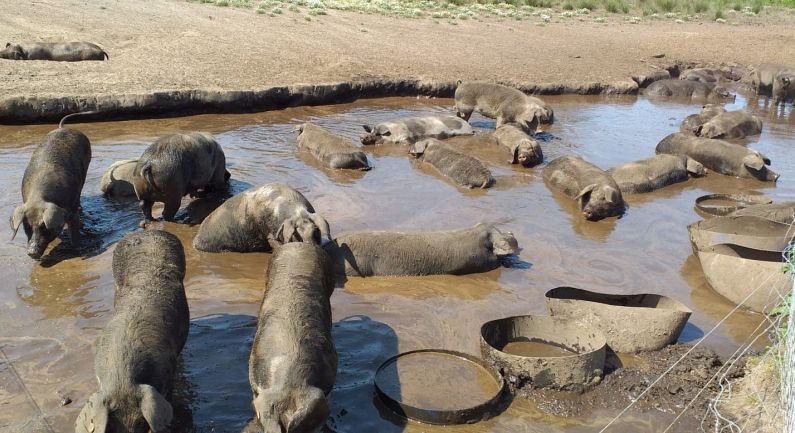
(165, 45)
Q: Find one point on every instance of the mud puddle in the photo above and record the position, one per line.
(51, 314)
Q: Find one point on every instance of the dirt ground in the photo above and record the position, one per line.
(164, 45)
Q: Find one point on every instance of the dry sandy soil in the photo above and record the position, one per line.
(165, 45)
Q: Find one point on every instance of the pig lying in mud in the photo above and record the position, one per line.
(719, 156)
(597, 193)
(463, 169)
(715, 122)
(253, 219)
(688, 89)
(523, 148)
(331, 150)
(505, 104)
(763, 76)
(177, 165)
(59, 51)
(117, 182)
(412, 129)
(51, 188)
(293, 362)
(476, 249)
(705, 75)
(784, 86)
(656, 172)
(136, 355)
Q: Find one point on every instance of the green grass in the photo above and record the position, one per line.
(519, 10)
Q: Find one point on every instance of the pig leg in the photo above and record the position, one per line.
(170, 208)
(146, 207)
(74, 231)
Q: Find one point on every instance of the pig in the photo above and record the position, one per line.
(59, 51)
(783, 88)
(719, 156)
(117, 182)
(505, 104)
(456, 252)
(523, 148)
(136, 354)
(257, 217)
(692, 123)
(51, 188)
(463, 169)
(656, 172)
(333, 151)
(177, 165)
(293, 362)
(412, 129)
(597, 193)
(705, 75)
(688, 89)
(763, 76)
(730, 125)
(656, 75)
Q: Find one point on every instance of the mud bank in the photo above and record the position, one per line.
(40, 109)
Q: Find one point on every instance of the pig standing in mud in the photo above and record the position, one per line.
(331, 150)
(250, 220)
(177, 165)
(51, 188)
(457, 252)
(655, 172)
(117, 182)
(524, 150)
(784, 85)
(412, 129)
(719, 156)
(293, 362)
(463, 169)
(688, 89)
(59, 51)
(763, 76)
(505, 104)
(597, 193)
(136, 355)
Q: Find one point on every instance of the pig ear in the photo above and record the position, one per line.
(585, 190)
(418, 148)
(53, 216)
(754, 161)
(285, 232)
(312, 411)
(93, 417)
(264, 403)
(367, 128)
(16, 219)
(322, 225)
(612, 195)
(694, 167)
(156, 410)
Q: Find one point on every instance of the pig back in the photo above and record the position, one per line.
(57, 169)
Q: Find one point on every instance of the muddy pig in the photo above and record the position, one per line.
(688, 89)
(523, 148)
(730, 125)
(331, 150)
(656, 75)
(719, 156)
(705, 75)
(293, 362)
(463, 169)
(503, 103)
(257, 217)
(476, 249)
(51, 188)
(136, 355)
(117, 181)
(59, 51)
(784, 85)
(597, 193)
(412, 129)
(177, 165)
(692, 123)
(763, 76)
(656, 172)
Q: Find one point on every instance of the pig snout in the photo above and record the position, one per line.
(36, 249)
(367, 138)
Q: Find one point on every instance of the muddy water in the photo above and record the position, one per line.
(51, 314)
(437, 381)
(535, 348)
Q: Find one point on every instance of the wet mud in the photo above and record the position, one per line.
(51, 313)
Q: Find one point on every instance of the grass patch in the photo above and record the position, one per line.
(616, 6)
(667, 5)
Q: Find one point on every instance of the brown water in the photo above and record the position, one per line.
(437, 381)
(535, 348)
(51, 315)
